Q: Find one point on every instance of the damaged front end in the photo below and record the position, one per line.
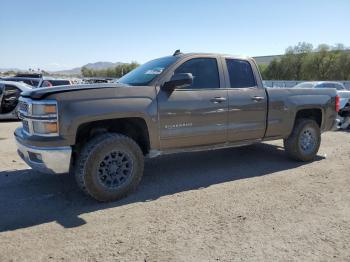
(344, 117)
(9, 95)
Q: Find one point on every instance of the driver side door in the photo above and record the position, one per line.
(194, 115)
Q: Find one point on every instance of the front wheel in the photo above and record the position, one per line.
(305, 140)
(109, 167)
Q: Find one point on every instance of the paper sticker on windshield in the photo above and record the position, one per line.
(154, 71)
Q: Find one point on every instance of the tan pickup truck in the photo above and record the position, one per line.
(184, 102)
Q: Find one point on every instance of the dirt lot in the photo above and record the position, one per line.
(243, 204)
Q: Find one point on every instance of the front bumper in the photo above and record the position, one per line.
(51, 160)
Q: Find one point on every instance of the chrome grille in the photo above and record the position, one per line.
(23, 107)
(25, 125)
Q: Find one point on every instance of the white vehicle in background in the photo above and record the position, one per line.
(37, 80)
(9, 94)
(343, 93)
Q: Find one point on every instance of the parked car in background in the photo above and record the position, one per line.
(9, 94)
(34, 80)
(344, 95)
(12, 87)
(38, 80)
(56, 82)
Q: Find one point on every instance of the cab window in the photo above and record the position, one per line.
(204, 70)
(240, 73)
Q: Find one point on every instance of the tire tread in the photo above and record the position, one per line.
(86, 154)
(291, 144)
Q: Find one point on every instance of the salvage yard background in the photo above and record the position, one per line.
(249, 203)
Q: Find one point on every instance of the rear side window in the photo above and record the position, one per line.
(34, 83)
(204, 70)
(331, 85)
(338, 86)
(240, 73)
(325, 85)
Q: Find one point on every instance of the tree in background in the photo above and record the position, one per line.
(114, 72)
(293, 60)
(303, 62)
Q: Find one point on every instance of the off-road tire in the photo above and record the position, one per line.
(86, 169)
(292, 144)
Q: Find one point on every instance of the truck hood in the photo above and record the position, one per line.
(40, 93)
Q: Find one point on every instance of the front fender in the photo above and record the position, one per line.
(78, 108)
(82, 112)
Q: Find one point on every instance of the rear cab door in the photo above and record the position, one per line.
(247, 112)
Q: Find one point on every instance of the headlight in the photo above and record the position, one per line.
(45, 128)
(44, 109)
(39, 117)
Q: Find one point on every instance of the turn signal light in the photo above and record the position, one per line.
(50, 109)
(51, 127)
(45, 128)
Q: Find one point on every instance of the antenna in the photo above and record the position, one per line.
(177, 52)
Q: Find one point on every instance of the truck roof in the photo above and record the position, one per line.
(214, 54)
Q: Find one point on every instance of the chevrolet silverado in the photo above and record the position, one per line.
(184, 102)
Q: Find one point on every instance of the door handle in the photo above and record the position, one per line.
(217, 100)
(258, 98)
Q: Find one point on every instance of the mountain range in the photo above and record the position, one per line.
(74, 71)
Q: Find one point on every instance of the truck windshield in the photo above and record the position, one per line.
(144, 74)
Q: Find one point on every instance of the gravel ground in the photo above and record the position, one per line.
(242, 204)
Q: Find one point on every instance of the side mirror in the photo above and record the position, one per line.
(178, 80)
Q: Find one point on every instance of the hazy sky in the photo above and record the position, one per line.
(63, 34)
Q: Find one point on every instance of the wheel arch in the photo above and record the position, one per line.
(314, 113)
(133, 127)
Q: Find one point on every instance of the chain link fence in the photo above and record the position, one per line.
(287, 84)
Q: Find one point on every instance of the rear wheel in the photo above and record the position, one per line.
(305, 140)
(109, 167)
